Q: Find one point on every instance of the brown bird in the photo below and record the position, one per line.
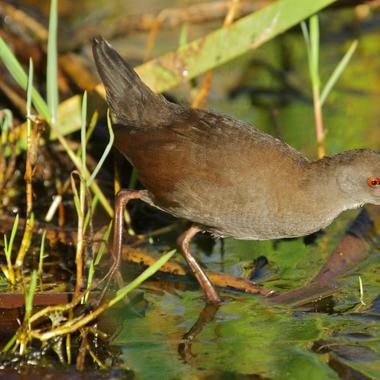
(224, 175)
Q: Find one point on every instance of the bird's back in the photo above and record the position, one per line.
(213, 170)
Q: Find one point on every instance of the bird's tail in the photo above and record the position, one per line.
(131, 101)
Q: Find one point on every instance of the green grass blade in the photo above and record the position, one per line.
(90, 213)
(83, 134)
(103, 245)
(143, 276)
(21, 78)
(13, 234)
(51, 83)
(106, 151)
(10, 343)
(306, 36)
(314, 50)
(76, 197)
(338, 71)
(42, 253)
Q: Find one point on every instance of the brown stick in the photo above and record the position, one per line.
(218, 279)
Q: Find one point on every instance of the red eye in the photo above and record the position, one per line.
(373, 182)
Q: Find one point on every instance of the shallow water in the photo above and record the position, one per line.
(251, 338)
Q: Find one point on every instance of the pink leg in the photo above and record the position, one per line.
(121, 200)
(184, 243)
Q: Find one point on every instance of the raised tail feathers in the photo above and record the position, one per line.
(131, 101)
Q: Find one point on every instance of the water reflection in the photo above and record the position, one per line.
(206, 316)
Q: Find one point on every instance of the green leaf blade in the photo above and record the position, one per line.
(338, 71)
(52, 72)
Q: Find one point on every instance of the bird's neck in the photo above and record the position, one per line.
(325, 184)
